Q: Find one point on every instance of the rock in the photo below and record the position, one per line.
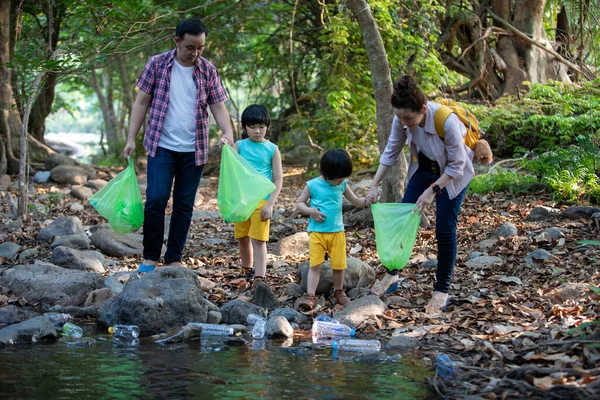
(290, 314)
(487, 244)
(28, 255)
(96, 184)
(200, 215)
(34, 330)
(325, 281)
(568, 291)
(358, 274)
(81, 192)
(78, 241)
(69, 174)
(300, 155)
(429, 264)
(9, 250)
(41, 177)
(236, 311)
(294, 245)
(264, 296)
(214, 317)
(280, 264)
(279, 327)
(166, 298)
(112, 244)
(186, 333)
(507, 229)
(39, 208)
(49, 284)
(12, 315)
(356, 292)
(355, 312)
(484, 261)
(67, 257)
(580, 212)
(76, 207)
(402, 342)
(54, 160)
(550, 235)
(62, 226)
(294, 290)
(476, 254)
(114, 284)
(98, 297)
(541, 213)
(206, 284)
(537, 255)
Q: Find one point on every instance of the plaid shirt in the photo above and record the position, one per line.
(156, 80)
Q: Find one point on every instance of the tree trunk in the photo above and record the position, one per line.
(393, 184)
(105, 98)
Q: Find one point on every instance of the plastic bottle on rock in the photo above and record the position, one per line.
(259, 329)
(127, 332)
(212, 329)
(358, 345)
(322, 329)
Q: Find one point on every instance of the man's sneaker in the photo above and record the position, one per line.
(307, 302)
(340, 297)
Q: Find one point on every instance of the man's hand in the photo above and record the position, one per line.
(129, 149)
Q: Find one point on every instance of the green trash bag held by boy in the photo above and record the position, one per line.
(120, 201)
(241, 187)
(396, 228)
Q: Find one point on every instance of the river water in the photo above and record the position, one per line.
(207, 369)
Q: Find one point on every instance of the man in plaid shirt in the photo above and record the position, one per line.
(178, 87)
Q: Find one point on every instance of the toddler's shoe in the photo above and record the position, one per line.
(339, 296)
(306, 303)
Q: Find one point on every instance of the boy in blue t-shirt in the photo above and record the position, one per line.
(264, 156)
(326, 225)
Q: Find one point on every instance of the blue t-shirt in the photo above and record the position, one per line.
(259, 155)
(328, 199)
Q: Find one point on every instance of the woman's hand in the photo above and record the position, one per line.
(371, 196)
(317, 215)
(424, 200)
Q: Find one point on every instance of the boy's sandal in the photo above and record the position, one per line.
(144, 269)
(438, 303)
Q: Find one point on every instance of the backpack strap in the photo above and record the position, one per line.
(439, 119)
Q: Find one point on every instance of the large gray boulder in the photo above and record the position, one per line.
(236, 311)
(54, 160)
(34, 330)
(294, 245)
(62, 226)
(355, 312)
(69, 174)
(79, 241)
(112, 244)
(164, 299)
(49, 284)
(12, 314)
(67, 257)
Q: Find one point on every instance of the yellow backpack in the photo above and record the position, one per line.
(481, 148)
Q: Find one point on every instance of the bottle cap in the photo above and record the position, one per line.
(352, 332)
(334, 345)
(111, 330)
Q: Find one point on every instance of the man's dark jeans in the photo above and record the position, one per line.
(162, 169)
(445, 226)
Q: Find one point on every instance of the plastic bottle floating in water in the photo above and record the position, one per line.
(358, 345)
(72, 330)
(322, 329)
(212, 329)
(127, 332)
(259, 329)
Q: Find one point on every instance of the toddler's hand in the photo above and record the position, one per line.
(266, 212)
(317, 215)
(371, 196)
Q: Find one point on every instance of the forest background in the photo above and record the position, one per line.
(324, 69)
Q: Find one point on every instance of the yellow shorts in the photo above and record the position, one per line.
(254, 227)
(333, 243)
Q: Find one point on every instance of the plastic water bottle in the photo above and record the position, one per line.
(259, 329)
(359, 345)
(322, 329)
(253, 318)
(127, 332)
(72, 330)
(326, 318)
(212, 329)
(444, 366)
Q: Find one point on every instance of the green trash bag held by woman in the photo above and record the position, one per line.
(396, 228)
(241, 187)
(120, 201)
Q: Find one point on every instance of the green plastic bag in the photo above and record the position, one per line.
(241, 187)
(120, 201)
(396, 228)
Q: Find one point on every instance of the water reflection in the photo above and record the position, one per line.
(211, 369)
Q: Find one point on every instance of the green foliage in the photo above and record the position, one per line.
(502, 180)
